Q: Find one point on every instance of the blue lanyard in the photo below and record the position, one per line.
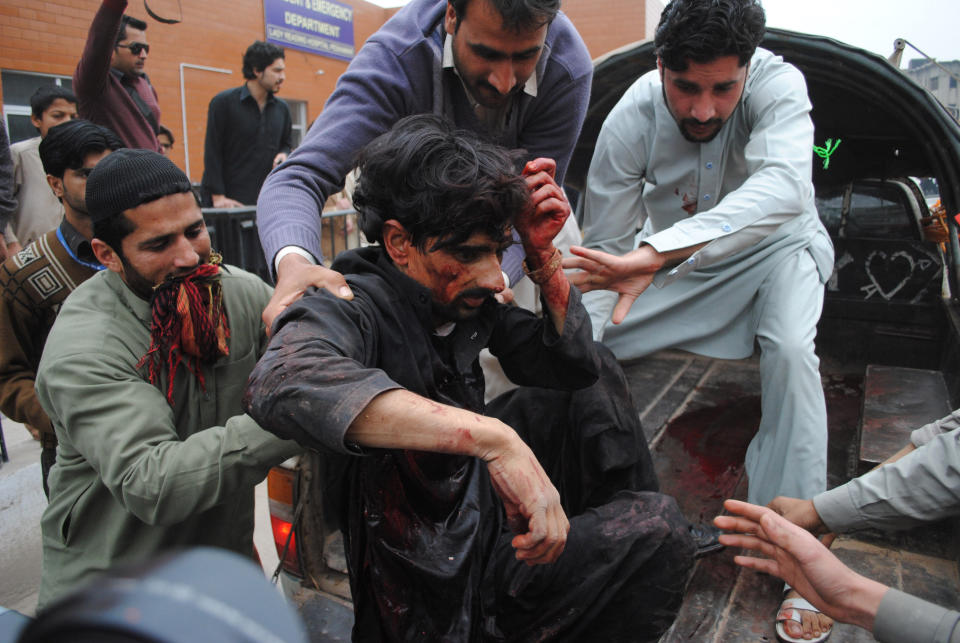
(63, 242)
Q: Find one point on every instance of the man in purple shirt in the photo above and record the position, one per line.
(110, 82)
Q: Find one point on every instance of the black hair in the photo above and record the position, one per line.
(518, 15)
(113, 230)
(136, 23)
(44, 97)
(440, 183)
(704, 30)
(66, 145)
(259, 56)
(165, 130)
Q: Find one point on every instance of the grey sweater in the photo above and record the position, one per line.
(398, 72)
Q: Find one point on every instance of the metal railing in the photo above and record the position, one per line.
(233, 233)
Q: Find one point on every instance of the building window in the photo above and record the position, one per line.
(953, 83)
(934, 83)
(18, 87)
(298, 114)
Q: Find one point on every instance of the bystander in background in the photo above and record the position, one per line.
(8, 202)
(248, 130)
(38, 208)
(110, 81)
(165, 136)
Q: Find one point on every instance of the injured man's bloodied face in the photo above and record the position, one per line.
(460, 277)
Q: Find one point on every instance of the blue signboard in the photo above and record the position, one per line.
(316, 26)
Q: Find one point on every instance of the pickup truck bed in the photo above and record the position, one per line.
(699, 414)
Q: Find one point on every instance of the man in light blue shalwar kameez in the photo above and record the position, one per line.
(713, 166)
(700, 185)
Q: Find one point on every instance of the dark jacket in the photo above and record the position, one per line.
(419, 527)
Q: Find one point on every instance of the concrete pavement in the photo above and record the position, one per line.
(21, 504)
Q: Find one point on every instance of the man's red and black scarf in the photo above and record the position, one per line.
(189, 324)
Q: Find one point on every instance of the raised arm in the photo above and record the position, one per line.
(90, 77)
(538, 227)
(552, 129)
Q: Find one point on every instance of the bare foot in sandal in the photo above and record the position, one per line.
(812, 626)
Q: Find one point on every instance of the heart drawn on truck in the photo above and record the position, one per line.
(887, 274)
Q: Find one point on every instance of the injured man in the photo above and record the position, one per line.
(534, 517)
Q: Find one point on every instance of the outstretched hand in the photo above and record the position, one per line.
(628, 275)
(796, 556)
(532, 504)
(539, 225)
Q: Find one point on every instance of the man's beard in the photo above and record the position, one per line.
(488, 96)
(188, 324)
(457, 309)
(716, 123)
(683, 123)
(144, 287)
(483, 92)
(140, 285)
(77, 204)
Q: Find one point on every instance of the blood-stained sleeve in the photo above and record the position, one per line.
(314, 379)
(533, 354)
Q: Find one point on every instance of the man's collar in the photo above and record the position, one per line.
(77, 244)
(408, 288)
(126, 79)
(245, 93)
(529, 88)
(138, 306)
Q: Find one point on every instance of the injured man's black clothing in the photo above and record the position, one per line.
(428, 546)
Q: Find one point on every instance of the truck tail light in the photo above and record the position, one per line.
(281, 483)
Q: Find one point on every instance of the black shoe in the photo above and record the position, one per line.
(707, 539)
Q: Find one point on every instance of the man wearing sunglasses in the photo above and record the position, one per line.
(109, 81)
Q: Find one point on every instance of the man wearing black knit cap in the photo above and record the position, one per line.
(142, 376)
